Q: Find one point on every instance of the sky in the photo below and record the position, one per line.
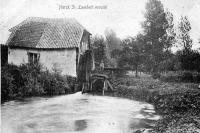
(123, 16)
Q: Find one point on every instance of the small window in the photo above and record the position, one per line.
(33, 58)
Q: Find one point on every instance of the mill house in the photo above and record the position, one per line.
(55, 43)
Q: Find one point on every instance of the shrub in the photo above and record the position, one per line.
(30, 76)
(7, 85)
(177, 102)
(182, 76)
(187, 76)
(29, 80)
(72, 82)
(55, 84)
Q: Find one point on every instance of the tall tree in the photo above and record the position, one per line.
(170, 36)
(188, 58)
(155, 24)
(158, 31)
(184, 36)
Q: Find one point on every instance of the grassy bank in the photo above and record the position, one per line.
(177, 103)
(18, 82)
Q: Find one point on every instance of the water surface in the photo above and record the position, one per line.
(76, 113)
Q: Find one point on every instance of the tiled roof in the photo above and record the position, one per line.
(46, 33)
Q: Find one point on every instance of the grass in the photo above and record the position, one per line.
(177, 103)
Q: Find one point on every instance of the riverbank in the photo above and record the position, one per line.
(19, 82)
(177, 103)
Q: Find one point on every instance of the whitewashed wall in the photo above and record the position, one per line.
(61, 60)
(17, 56)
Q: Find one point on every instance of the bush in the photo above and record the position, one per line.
(177, 102)
(30, 76)
(7, 85)
(29, 80)
(55, 84)
(174, 102)
(182, 76)
(187, 77)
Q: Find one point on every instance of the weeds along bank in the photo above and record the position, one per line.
(177, 103)
(29, 80)
(178, 76)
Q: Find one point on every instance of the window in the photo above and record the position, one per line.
(33, 58)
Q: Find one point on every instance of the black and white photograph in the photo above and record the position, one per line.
(100, 66)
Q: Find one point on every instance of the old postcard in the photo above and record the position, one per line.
(100, 66)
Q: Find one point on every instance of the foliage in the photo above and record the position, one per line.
(29, 80)
(159, 34)
(184, 37)
(178, 104)
(181, 76)
(170, 37)
(155, 27)
(182, 102)
(99, 48)
(105, 49)
(131, 55)
(7, 84)
(189, 60)
(4, 54)
(151, 50)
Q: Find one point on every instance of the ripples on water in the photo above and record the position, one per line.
(76, 113)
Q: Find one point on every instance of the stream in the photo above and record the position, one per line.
(76, 113)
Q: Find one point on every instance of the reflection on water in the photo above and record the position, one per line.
(76, 113)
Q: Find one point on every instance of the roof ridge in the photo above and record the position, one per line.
(45, 20)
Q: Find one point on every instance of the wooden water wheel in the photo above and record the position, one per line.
(95, 77)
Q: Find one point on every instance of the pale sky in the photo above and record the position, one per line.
(123, 16)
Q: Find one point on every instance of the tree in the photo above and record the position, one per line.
(155, 30)
(188, 58)
(113, 45)
(131, 55)
(170, 36)
(99, 48)
(184, 37)
(155, 24)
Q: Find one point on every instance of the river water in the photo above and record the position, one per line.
(76, 113)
